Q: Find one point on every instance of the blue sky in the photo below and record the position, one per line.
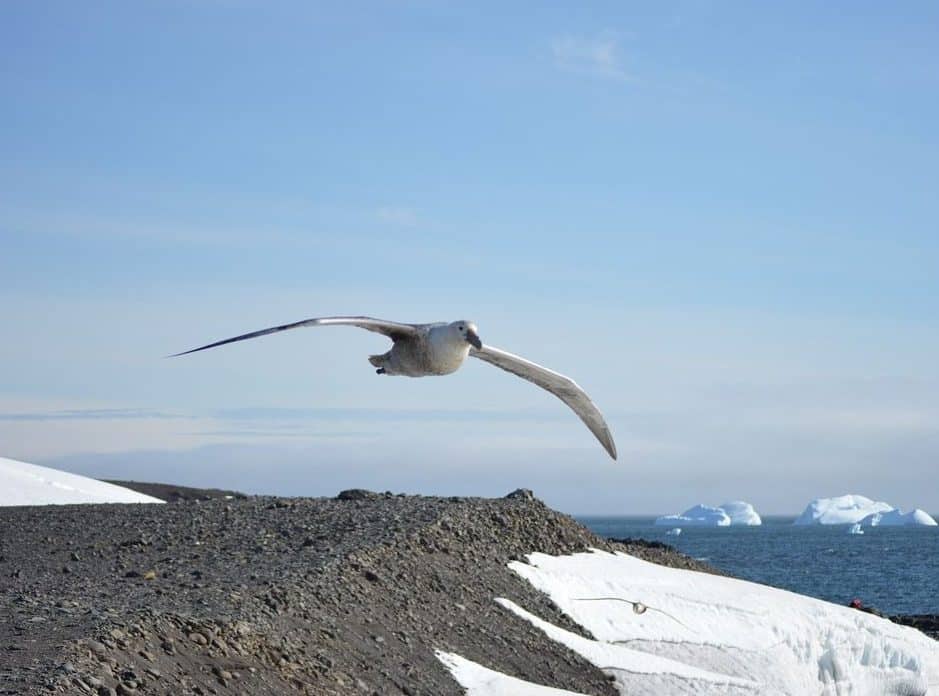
(720, 218)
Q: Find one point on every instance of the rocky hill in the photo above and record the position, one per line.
(350, 595)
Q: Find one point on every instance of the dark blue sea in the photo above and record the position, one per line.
(895, 569)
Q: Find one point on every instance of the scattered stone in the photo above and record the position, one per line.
(198, 638)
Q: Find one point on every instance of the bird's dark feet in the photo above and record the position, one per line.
(380, 371)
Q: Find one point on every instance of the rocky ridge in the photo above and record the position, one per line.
(275, 595)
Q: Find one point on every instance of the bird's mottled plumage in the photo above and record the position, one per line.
(421, 350)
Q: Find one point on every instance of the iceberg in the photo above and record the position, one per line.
(843, 509)
(852, 509)
(855, 529)
(898, 518)
(29, 484)
(741, 512)
(697, 516)
(736, 512)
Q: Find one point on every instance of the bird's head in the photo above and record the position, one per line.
(467, 331)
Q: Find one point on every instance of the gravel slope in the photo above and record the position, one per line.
(278, 595)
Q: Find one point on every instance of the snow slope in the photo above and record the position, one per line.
(660, 630)
(29, 484)
(483, 681)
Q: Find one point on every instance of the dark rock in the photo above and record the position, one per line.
(521, 494)
(179, 494)
(645, 543)
(927, 623)
(357, 494)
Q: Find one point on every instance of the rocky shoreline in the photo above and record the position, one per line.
(221, 593)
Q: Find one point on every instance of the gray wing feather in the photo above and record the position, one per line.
(562, 387)
(391, 329)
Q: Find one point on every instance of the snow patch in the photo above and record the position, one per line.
(659, 630)
(705, 634)
(619, 658)
(482, 681)
(29, 484)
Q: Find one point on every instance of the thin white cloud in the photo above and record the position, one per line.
(597, 56)
(397, 215)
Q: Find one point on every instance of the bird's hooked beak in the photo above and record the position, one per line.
(473, 339)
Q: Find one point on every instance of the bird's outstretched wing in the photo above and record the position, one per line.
(562, 387)
(391, 329)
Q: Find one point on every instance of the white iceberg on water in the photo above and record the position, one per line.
(736, 512)
(29, 484)
(898, 518)
(851, 509)
(855, 528)
(843, 509)
(741, 512)
(697, 516)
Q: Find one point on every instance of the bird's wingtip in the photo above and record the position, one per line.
(610, 447)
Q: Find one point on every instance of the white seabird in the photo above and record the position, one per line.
(421, 350)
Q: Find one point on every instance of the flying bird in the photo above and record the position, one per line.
(422, 350)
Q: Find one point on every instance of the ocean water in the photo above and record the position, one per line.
(895, 569)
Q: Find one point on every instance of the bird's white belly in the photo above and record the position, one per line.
(427, 359)
(445, 364)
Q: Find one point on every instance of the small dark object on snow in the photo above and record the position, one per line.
(859, 605)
